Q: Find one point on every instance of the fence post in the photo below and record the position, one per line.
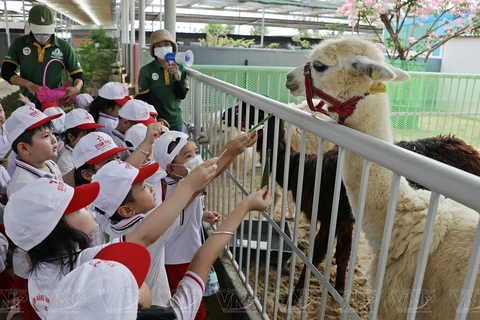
(197, 107)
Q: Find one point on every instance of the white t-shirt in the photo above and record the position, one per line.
(60, 150)
(108, 122)
(3, 252)
(44, 280)
(156, 279)
(24, 174)
(65, 163)
(186, 300)
(185, 239)
(4, 179)
(119, 139)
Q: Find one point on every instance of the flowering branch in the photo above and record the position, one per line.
(452, 18)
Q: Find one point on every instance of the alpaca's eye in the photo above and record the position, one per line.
(320, 67)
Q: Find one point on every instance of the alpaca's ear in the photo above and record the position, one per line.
(400, 75)
(376, 71)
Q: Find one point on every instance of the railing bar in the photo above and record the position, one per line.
(387, 234)
(333, 227)
(286, 166)
(356, 234)
(313, 225)
(298, 212)
(423, 257)
(274, 156)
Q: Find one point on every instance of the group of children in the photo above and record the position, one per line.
(104, 210)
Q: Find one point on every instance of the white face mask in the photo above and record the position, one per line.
(193, 163)
(160, 52)
(42, 38)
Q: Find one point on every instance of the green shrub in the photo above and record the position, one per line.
(10, 102)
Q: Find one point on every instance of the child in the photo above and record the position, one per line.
(133, 137)
(117, 182)
(78, 123)
(31, 135)
(50, 221)
(178, 155)
(58, 128)
(97, 279)
(133, 112)
(104, 108)
(83, 101)
(4, 144)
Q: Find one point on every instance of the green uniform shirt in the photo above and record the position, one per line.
(32, 59)
(157, 82)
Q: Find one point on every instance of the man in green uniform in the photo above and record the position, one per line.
(33, 51)
(163, 84)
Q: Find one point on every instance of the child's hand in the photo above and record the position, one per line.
(202, 175)
(153, 130)
(163, 122)
(259, 200)
(238, 144)
(23, 99)
(211, 217)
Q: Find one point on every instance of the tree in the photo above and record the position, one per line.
(415, 28)
(304, 33)
(96, 58)
(257, 31)
(218, 29)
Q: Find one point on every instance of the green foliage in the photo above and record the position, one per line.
(273, 45)
(257, 31)
(304, 33)
(218, 29)
(10, 102)
(215, 40)
(305, 44)
(338, 27)
(96, 58)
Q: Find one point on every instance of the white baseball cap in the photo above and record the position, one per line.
(137, 111)
(152, 110)
(25, 118)
(82, 101)
(34, 210)
(58, 123)
(116, 91)
(94, 148)
(116, 179)
(109, 285)
(135, 135)
(160, 147)
(81, 119)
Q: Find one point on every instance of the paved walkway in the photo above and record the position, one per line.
(6, 88)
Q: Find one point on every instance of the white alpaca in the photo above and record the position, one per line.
(347, 67)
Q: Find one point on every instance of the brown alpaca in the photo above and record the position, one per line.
(447, 149)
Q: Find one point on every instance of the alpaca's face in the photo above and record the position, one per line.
(344, 68)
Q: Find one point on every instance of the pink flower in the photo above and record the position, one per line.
(369, 3)
(411, 40)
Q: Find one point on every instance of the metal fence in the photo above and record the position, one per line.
(429, 104)
(258, 249)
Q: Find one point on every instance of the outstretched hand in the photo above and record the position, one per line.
(153, 130)
(259, 200)
(238, 144)
(202, 175)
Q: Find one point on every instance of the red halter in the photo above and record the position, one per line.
(343, 109)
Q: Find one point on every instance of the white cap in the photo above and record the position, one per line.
(34, 210)
(152, 110)
(80, 118)
(94, 148)
(136, 110)
(114, 91)
(106, 287)
(135, 135)
(82, 101)
(160, 147)
(58, 123)
(25, 118)
(116, 179)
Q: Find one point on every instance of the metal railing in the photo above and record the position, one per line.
(266, 283)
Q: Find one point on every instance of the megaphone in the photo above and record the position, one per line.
(185, 58)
